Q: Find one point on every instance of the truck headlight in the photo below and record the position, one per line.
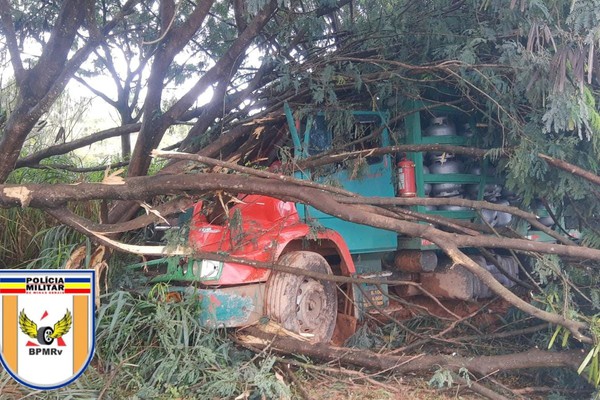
(207, 270)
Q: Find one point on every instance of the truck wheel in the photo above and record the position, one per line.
(43, 335)
(302, 304)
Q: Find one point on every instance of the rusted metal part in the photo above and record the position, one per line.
(345, 327)
(456, 282)
(453, 283)
(407, 290)
(231, 306)
(415, 261)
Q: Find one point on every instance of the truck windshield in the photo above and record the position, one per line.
(321, 137)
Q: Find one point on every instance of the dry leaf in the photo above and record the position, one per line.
(114, 178)
(150, 210)
(77, 258)
(243, 396)
(257, 131)
(279, 377)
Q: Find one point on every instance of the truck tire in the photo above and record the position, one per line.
(302, 304)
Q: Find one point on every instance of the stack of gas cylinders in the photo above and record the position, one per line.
(448, 163)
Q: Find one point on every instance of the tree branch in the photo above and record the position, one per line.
(55, 52)
(50, 196)
(67, 217)
(96, 92)
(475, 204)
(317, 161)
(8, 29)
(71, 168)
(482, 365)
(64, 148)
(572, 169)
(38, 94)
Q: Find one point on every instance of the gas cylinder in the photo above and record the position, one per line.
(407, 186)
(440, 126)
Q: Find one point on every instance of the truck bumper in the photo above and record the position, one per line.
(230, 306)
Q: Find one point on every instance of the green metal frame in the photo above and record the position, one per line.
(414, 135)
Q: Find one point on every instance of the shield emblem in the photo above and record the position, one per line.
(47, 324)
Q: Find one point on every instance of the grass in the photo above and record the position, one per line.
(29, 235)
(148, 348)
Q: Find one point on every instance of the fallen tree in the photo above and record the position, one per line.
(479, 368)
(478, 365)
(141, 188)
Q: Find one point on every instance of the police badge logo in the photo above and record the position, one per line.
(46, 325)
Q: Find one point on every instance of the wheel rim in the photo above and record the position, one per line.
(310, 305)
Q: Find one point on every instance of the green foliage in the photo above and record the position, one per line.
(159, 346)
(177, 236)
(390, 336)
(444, 377)
(591, 362)
(56, 246)
(366, 337)
(150, 348)
(17, 242)
(591, 238)
(548, 268)
(556, 396)
(31, 238)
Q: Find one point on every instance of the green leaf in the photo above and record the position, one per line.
(586, 361)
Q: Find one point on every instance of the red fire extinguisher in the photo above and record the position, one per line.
(407, 186)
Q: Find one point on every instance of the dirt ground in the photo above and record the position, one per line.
(348, 390)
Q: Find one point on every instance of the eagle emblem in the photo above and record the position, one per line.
(45, 335)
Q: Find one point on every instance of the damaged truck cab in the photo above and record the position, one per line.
(262, 230)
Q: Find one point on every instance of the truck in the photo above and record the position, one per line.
(268, 230)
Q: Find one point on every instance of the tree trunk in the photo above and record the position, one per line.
(482, 365)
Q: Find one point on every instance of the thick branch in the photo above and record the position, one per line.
(572, 169)
(317, 161)
(48, 196)
(213, 149)
(154, 124)
(67, 217)
(351, 198)
(482, 365)
(478, 205)
(222, 103)
(251, 171)
(8, 29)
(79, 170)
(55, 52)
(64, 148)
(141, 188)
(225, 63)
